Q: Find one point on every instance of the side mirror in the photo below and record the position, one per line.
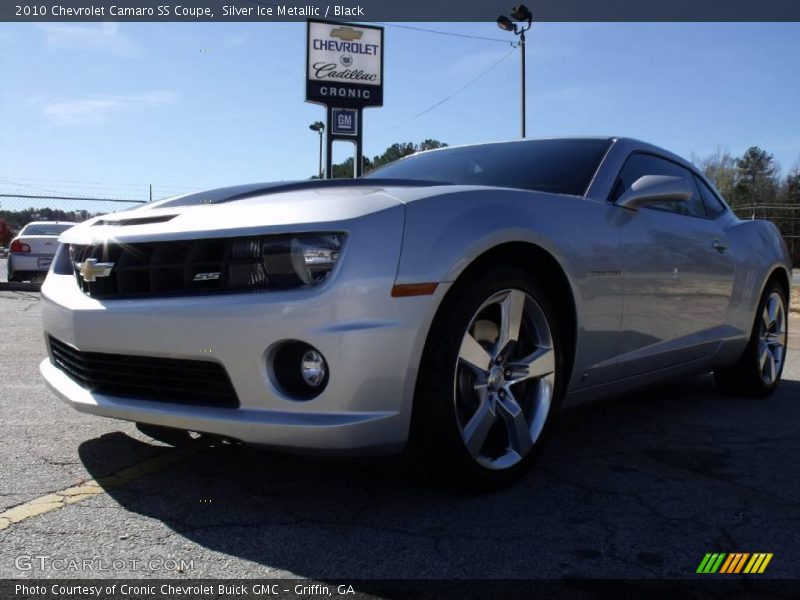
(655, 189)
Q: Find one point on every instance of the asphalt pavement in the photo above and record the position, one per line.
(636, 486)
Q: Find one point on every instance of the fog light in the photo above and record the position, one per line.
(298, 370)
(313, 368)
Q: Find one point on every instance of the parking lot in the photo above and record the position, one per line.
(638, 486)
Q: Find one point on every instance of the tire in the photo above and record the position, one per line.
(469, 423)
(166, 435)
(758, 371)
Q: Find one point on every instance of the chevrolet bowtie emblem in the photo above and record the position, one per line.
(90, 269)
(347, 34)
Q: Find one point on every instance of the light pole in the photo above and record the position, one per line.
(522, 14)
(319, 127)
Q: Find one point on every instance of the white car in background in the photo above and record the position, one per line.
(31, 252)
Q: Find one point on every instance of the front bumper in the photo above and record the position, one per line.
(371, 342)
(367, 432)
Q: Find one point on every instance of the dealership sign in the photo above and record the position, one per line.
(344, 64)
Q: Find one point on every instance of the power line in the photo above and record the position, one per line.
(29, 186)
(458, 91)
(409, 27)
(450, 33)
(33, 197)
(12, 179)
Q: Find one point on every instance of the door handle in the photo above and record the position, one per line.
(720, 246)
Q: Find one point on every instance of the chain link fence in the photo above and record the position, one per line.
(24, 201)
(785, 216)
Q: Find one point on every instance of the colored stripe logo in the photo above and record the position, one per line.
(734, 562)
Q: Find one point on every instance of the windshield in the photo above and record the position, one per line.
(564, 166)
(46, 228)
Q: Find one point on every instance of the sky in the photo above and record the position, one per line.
(199, 105)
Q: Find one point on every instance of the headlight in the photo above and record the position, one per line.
(62, 264)
(283, 261)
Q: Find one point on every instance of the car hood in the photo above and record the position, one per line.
(248, 210)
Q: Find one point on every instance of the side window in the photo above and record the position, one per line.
(639, 164)
(714, 206)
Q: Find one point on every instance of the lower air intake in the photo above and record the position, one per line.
(192, 382)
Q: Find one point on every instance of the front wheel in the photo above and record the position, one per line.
(759, 369)
(489, 382)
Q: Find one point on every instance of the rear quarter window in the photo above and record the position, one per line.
(714, 206)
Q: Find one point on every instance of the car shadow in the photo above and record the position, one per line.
(633, 486)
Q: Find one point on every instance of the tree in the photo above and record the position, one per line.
(755, 165)
(17, 219)
(344, 169)
(5, 234)
(431, 145)
(792, 188)
(791, 227)
(394, 152)
(720, 168)
(756, 178)
(753, 188)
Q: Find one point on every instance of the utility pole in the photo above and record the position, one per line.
(522, 49)
(522, 14)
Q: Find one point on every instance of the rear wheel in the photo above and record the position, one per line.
(759, 369)
(489, 382)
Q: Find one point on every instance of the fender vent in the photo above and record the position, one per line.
(134, 221)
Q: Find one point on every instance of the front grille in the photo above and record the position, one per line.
(171, 268)
(194, 382)
(158, 268)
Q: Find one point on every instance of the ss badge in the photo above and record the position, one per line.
(206, 276)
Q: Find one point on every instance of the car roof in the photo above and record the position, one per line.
(629, 144)
(526, 141)
(628, 141)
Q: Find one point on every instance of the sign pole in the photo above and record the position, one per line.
(359, 160)
(328, 144)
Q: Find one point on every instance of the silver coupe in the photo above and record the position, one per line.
(446, 304)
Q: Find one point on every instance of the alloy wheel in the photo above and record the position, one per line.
(772, 338)
(504, 380)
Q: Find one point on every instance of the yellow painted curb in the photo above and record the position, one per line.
(92, 487)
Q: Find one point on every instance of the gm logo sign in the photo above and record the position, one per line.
(345, 121)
